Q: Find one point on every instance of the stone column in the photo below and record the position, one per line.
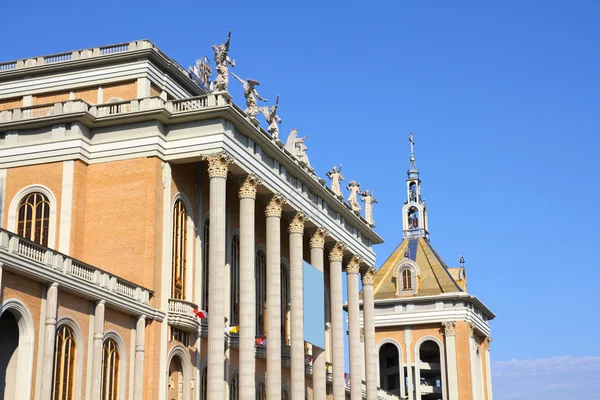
(488, 367)
(352, 270)
(296, 230)
(371, 357)
(217, 171)
(317, 244)
(336, 256)
(140, 340)
(247, 288)
(49, 337)
(97, 351)
(451, 367)
(273, 214)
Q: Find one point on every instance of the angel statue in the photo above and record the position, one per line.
(335, 174)
(221, 61)
(369, 200)
(251, 95)
(297, 147)
(354, 188)
(272, 118)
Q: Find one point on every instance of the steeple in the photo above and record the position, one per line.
(414, 212)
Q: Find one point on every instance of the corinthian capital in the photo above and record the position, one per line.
(449, 328)
(471, 330)
(368, 277)
(297, 224)
(318, 239)
(487, 343)
(248, 187)
(275, 206)
(337, 252)
(353, 266)
(218, 164)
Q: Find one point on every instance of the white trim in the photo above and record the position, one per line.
(442, 352)
(186, 363)
(122, 395)
(189, 283)
(14, 204)
(66, 207)
(400, 364)
(79, 350)
(25, 347)
(2, 194)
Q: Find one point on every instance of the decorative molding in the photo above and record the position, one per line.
(248, 187)
(487, 343)
(218, 164)
(275, 206)
(362, 334)
(449, 328)
(318, 238)
(337, 252)
(353, 266)
(297, 224)
(368, 277)
(471, 330)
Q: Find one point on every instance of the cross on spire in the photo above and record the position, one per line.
(412, 148)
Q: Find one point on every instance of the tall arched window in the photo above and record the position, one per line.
(33, 218)
(285, 302)
(261, 391)
(261, 290)
(206, 230)
(110, 370)
(204, 383)
(406, 279)
(235, 280)
(179, 261)
(64, 364)
(234, 392)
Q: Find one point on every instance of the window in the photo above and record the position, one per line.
(261, 290)
(234, 392)
(204, 383)
(261, 391)
(205, 266)
(179, 261)
(34, 218)
(235, 280)
(110, 370)
(64, 364)
(406, 279)
(285, 302)
(285, 395)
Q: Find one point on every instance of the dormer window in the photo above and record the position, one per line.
(406, 279)
(405, 276)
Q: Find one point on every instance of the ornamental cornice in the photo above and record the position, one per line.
(218, 164)
(449, 328)
(297, 224)
(248, 187)
(275, 206)
(353, 266)
(487, 343)
(337, 252)
(368, 277)
(318, 238)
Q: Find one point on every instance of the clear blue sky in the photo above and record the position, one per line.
(502, 98)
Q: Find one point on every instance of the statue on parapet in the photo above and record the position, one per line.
(221, 61)
(296, 146)
(251, 95)
(354, 188)
(335, 174)
(369, 199)
(272, 118)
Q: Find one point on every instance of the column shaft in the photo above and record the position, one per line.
(297, 307)
(49, 337)
(140, 341)
(317, 244)
(97, 351)
(488, 368)
(337, 324)
(354, 329)
(371, 356)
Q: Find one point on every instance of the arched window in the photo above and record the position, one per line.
(413, 218)
(234, 392)
(261, 290)
(206, 230)
(64, 364)
(179, 261)
(235, 280)
(33, 218)
(110, 370)
(406, 279)
(284, 394)
(285, 302)
(261, 391)
(204, 383)
(430, 366)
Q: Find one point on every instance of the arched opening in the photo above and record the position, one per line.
(175, 379)
(389, 368)
(64, 364)
(413, 218)
(9, 355)
(34, 218)
(179, 251)
(261, 390)
(204, 383)
(234, 389)
(285, 395)
(110, 370)
(430, 371)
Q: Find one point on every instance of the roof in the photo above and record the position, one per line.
(434, 277)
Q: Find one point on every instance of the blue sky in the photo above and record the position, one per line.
(502, 98)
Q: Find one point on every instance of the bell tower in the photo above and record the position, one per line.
(414, 212)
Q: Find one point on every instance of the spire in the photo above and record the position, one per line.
(413, 172)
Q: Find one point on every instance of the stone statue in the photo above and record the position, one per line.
(354, 188)
(272, 118)
(335, 174)
(221, 61)
(251, 95)
(296, 146)
(369, 200)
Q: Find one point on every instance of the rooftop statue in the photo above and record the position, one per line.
(251, 95)
(272, 118)
(296, 146)
(221, 61)
(369, 200)
(335, 174)
(354, 188)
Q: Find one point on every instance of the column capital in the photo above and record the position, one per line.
(318, 238)
(368, 278)
(218, 164)
(487, 343)
(275, 206)
(353, 266)
(449, 328)
(362, 334)
(337, 252)
(471, 330)
(248, 187)
(297, 223)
